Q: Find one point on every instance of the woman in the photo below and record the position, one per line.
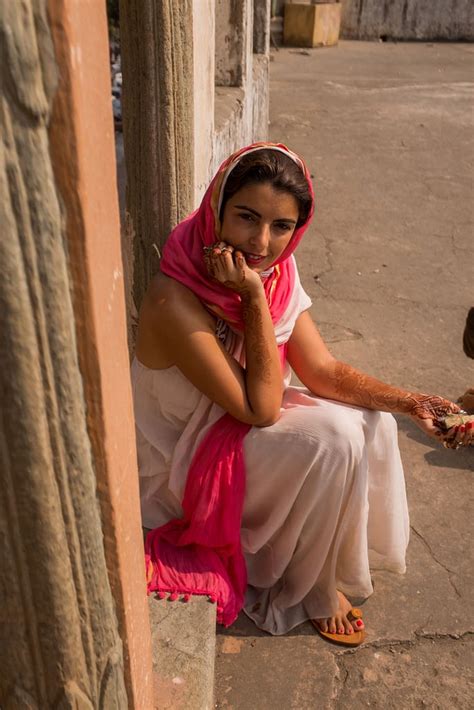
(308, 480)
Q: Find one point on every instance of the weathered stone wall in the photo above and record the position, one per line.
(59, 640)
(203, 33)
(261, 96)
(73, 617)
(195, 88)
(261, 26)
(230, 50)
(157, 67)
(408, 19)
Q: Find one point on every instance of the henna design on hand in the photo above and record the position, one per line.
(425, 406)
(241, 287)
(211, 257)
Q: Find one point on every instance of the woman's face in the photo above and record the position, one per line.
(259, 221)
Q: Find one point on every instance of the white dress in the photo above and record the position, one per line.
(325, 492)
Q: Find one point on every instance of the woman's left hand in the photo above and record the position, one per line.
(453, 438)
(428, 410)
(428, 426)
(459, 435)
(428, 414)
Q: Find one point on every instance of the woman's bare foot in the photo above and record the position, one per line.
(340, 624)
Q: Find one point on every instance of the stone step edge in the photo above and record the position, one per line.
(184, 646)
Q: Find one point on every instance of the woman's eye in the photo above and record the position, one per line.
(282, 226)
(247, 217)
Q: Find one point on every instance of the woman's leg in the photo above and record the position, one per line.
(306, 512)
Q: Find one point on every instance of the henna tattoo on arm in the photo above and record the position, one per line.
(263, 381)
(255, 338)
(355, 387)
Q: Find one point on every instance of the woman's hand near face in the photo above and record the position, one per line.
(263, 371)
(228, 266)
(263, 376)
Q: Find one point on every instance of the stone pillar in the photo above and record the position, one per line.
(230, 42)
(74, 629)
(261, 26)
(204, 16)
(157, 67)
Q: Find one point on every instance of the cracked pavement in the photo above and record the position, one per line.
(387, 132)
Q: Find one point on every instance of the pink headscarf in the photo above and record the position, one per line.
(201, 552)
(183, 255)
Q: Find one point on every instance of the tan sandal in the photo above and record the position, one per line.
(354, 639)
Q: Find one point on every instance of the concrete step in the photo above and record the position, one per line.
(183, 642)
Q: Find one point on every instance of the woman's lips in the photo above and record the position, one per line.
(254, 258)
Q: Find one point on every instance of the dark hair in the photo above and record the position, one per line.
(275, 168)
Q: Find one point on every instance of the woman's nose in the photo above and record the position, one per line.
(261, 237)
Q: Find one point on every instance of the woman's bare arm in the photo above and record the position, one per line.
(327, 377)
(175, 329)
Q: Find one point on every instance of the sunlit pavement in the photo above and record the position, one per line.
(387, 130)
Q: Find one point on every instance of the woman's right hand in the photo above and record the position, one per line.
(228, 266)
(262, 380)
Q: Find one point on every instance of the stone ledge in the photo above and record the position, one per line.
(228, 103)
(183, 643)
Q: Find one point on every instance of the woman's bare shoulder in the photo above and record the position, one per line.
(168, 300)
(169, 313)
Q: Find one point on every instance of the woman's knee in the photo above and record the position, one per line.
(345, 430)
(387, 424)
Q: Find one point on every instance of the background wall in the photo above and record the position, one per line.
(402, 19)
(408, 19)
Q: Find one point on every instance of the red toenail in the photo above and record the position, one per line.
(359, 623)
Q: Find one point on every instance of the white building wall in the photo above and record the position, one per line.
(231, 87)
(204, 94)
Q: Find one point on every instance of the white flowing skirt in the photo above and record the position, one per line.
(325, 502)
(325, 493)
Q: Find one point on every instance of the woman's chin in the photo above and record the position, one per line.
(260, 266)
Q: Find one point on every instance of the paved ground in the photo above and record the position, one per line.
(387, 131)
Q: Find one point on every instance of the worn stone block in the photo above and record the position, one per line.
(183, 639)
(311, 25)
